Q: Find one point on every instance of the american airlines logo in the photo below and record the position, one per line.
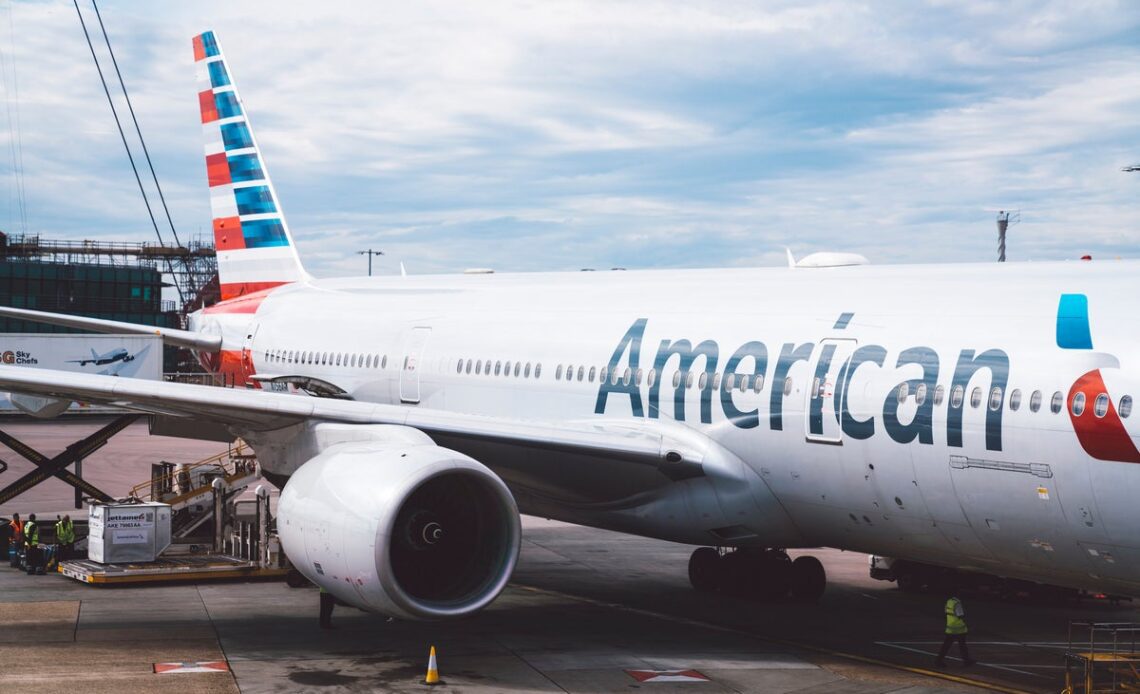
(833, 373)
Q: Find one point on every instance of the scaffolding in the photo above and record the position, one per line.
(1102, 658)
(193, 267)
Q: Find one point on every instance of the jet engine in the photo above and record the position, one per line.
(403, 529)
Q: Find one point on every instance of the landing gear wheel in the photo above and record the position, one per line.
(774, 576)
(808, 578)
(705, 569)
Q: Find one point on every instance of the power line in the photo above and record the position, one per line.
(123, 137)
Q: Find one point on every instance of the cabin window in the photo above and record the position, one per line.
(650, 379)
(637, 376)
(688, 379)
(956, 396)
(498, 367)
(506, 368)
(1078, 404)
(920, 394)
(788, 386)
(581, 373)
(677, 379)
(703, 380)
(904, 391)
(518, 368)
(995, 399)
(715, 381)
(469, 365)
(729, 382)
(353, 364)
(479, 367)
(1125, 407)
(1035, 401)
(1057, 402)
(758, 384)
(603, 374)
(1015, 399)
(558, 373)
(526, 370)
(625, 377)
(975, 397)
(1100, 407)
(743, 385)
(939, 395)
(537, 370)
(458, 367)
(384, 362)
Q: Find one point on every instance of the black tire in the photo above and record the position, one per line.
(774, 578)
(808, 579)
(705, 569)
(295, 579)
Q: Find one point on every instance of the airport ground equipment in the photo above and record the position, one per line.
(120, 533)
(75, 453)
(212, 534)
(1102, 657)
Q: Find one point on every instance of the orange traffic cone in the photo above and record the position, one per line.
(432, 671)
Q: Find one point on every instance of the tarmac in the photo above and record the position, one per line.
(587, 611)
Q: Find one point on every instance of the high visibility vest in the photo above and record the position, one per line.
(65, 532)
(955, 617)
(17, 531)
(31, 533)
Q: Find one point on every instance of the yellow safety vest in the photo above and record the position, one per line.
(955, 617)
(31, 534)
(65, 532)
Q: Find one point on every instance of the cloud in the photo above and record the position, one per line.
(580, 133)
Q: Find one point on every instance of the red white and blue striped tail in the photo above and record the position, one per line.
(255, 250)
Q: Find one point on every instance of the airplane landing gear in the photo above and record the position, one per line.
(756, 573)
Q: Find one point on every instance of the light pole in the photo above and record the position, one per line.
(370, 253)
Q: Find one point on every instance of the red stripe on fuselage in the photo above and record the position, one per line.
(243, 297)
(1104, 438)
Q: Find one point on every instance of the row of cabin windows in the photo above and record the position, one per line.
(1100, 404)
(731, 381)
(362, 361)
(504, 368)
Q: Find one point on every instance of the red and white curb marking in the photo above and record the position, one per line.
(667, 676)
(179, 668)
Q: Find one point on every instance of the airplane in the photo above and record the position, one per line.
(972, 416)
(111, 357)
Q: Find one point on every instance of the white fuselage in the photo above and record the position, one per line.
(854, 462)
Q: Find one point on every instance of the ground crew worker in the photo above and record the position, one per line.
(65, 537)
(955, 631)
(31, 544)
(327, 604)
(16, 537)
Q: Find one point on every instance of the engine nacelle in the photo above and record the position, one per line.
(404, 529)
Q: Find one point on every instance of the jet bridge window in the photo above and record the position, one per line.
(1100, 407)
(1057, 402)
(1015, 399)
(1125, 407)
(1078, 404)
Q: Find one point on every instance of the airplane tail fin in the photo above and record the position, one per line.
(254, 246)
(94, 354)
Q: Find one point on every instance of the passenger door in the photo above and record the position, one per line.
(413, 359)
(823, 405)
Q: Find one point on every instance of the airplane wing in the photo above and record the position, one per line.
(171, 336)
(662, 446)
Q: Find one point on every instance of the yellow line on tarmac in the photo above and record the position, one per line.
(781, 642)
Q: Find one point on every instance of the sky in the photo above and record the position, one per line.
(568, 134)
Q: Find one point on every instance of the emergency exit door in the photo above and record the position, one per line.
(413, 360)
